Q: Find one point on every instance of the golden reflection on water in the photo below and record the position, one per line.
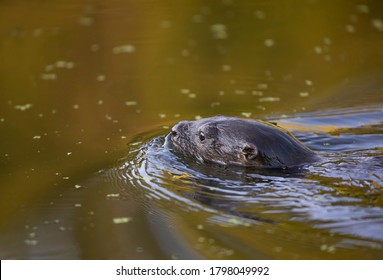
(78, 79)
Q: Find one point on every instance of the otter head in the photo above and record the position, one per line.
(234, 141)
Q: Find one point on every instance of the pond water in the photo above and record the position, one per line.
(89, 89)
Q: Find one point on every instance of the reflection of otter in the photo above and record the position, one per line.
(234, 141)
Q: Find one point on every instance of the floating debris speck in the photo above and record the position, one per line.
(197, 18)
(303, 94)
(31, 242)
(226, 68)
(94, 47)
(377, 24)
(318, 50)
(257, 92)
(269, 43)
(269, 99)
(23, 107)
(350, 28)
(277, 249)
(49, 67)
(236, 222)
(185, 91)
(69, 65)
(122, 220)
(113, 195)
(60, 64)
(48, 76)
(328, 248)
(327, 41)
(124, 49)
(309, 83)
(131, 103)
(185, 52)
(201, 239)
(260, 14)
(139, 249)
(262, 86)
(37, 137)
(246, 114)
(362, 9)
(100, 78)
(239, 92)
(165, 24)
(86, 21)
(219, 31)
(37, 32)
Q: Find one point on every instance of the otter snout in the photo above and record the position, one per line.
(179, 128)
(179, 135)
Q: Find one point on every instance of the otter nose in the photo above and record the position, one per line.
(178, 128)
(173, 132)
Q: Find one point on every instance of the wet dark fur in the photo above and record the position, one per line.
(235, 141)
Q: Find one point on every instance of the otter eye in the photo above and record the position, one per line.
(201, 136)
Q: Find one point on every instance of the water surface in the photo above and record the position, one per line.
(89, 88)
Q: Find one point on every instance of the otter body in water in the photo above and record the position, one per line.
(235, 141)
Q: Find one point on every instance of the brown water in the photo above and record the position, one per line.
(79, 80)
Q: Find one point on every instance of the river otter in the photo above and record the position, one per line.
(235, 141)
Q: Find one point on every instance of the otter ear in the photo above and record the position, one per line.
(249, 151)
